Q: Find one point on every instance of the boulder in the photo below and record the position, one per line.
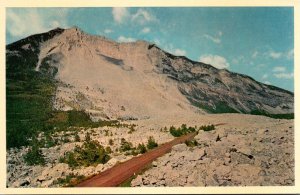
(196, 154)
(99, 168)
(137, 181)
(112, 162)
(179, 148)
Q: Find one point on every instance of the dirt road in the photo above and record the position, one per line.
(121, 172)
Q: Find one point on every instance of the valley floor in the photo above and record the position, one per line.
(247, 151)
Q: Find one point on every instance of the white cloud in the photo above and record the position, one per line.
(120, 14)
(215, 60)
(267, 82)
(27, 21)
(275, 55)
(280, 72)
(279, 69)
(157, 42)
(220, 33)
(142, 16)
(265, 76)
(146, 30)
(213, 39)
(170, 48)
(125, 39)
(108, 31)
(284, 75)
(255, 53)
(179, 52)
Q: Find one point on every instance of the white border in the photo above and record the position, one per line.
(144, 3)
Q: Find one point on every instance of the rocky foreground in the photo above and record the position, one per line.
(253, 156)
(246, 151)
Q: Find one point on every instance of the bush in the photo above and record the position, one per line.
(141, 148)
(183, 130)
(131, 129)
(207, 127)
(175, 132)
(108, 150)
(125, 145)
(48, 142)
(191, 143)
(151, 143)
(91, 153)
(34, 156)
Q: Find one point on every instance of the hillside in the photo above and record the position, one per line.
(114, 80)
(79, 104)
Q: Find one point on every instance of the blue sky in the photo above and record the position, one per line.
(257, 41)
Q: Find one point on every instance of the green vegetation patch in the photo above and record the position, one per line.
(191, 143)
(276, 116)
(151, 143)
(183, 130)
(128, 148)
(207, 127)
(34, 156)
(28, 107)
(91, 153)
(62, 120)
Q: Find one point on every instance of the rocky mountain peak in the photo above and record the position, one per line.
(123, 76)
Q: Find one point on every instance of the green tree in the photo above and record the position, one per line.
(34, 156)
(151, 143)
(141, 148)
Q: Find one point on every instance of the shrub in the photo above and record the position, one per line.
(108, 150)
(46, 142)
(183, 130)
(141, 148)
(207, 127)
(151, 143)
(191, 143)
(175, 132)
(110, 142)
(131, 129)
(125, 145)
(34, 156)
(91, 153)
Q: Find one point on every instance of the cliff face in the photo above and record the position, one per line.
(220, 91)
(136, 80)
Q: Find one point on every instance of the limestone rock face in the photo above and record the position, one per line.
(108, 79)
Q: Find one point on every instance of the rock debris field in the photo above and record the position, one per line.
(247, 151)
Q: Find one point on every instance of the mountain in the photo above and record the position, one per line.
(137, 80)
